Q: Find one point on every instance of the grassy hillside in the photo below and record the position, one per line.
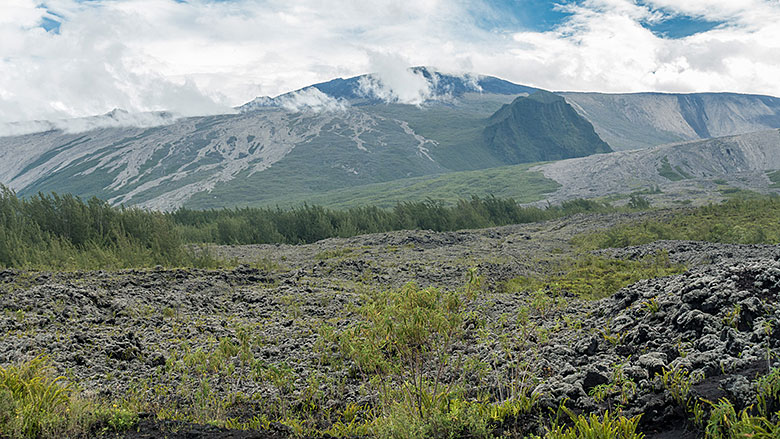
(515, 182)
(456, 128)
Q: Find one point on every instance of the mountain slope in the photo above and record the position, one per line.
(704, 166)
(162, 167)
(515, 182)
(274, 153)
(540, 127)
(641, 120)
(336, 140)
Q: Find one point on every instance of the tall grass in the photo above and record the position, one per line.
(34, 403)
(65, 232)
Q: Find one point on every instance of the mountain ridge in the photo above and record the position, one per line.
(358, 90)
(312, 143)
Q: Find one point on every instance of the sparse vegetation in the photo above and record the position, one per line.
(403, 354)
(721, 419)
(673, 174)
(740, 221)
(594, 277)
(774, 178)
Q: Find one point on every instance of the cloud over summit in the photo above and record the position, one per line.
(68, 58)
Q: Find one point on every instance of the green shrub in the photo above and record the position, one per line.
(36, 404)
(593, 426)
(64, 232)
(726, 423)
(308, 224)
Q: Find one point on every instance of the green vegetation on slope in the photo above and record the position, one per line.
(672, 174)
(456, 129)
(515, 182)
(737, 221)
(540, 127)
(774, 177)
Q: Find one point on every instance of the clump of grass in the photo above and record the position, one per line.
(596, 277)
(593, 426)
(725, 422)
(334, 253)
(36, 404)
(721, 419)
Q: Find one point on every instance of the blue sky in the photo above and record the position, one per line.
(63, 58)
(512, 15)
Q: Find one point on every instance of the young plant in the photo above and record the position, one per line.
(404, 345)
(678, 383)
(594, 426)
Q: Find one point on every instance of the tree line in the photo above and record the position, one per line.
(308, 224)
(64, 231)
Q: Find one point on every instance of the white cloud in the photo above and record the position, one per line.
(114, 119)
(392, 80)
(310, 99)
(202, 57)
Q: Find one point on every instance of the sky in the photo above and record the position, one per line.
(75, 58)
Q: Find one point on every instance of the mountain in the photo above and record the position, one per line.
(298, 146)
(356, 139)
(541, 127)
(641, 120)
(704, 170)
(371, 89)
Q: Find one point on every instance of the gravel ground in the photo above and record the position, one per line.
(152, 334)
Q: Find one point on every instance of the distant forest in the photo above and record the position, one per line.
(65, 232)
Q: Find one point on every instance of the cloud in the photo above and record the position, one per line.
(91, 66)
(115, 119)
(392, 80)
(310, 99)
(204, 56)
(307, 99)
